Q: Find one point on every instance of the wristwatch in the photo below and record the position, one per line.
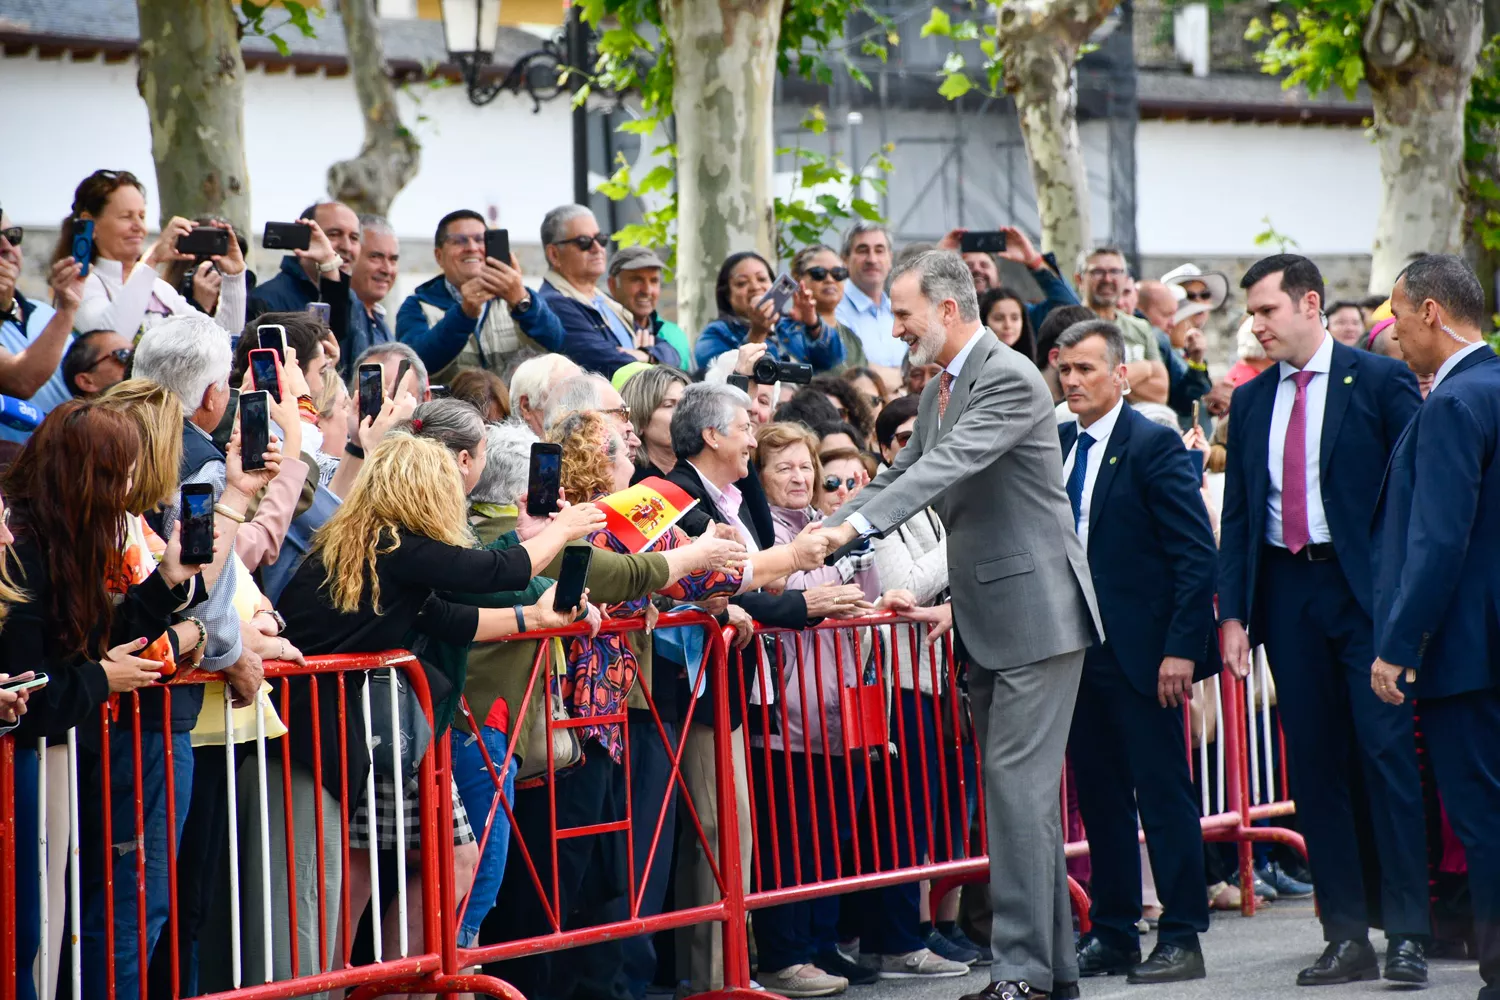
(522, 307)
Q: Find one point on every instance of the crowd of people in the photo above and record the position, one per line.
(408, 529)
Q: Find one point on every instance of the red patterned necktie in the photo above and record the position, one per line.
(945, 392)
(1294, 528)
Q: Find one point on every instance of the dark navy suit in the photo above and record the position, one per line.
(1151, 555)
(1437, 610)
(1314, 616)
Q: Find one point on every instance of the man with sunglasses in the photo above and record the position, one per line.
(34, 336)
(97, 360)
(1103, 284)
(635, 283)
(599, 333)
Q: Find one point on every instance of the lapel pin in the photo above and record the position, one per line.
(1113, 459)
(1348, 379)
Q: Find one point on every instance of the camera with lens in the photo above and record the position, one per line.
(769, 371)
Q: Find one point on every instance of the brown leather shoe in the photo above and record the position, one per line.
(1008, 991)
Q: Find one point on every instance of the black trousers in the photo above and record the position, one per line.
(1320, 644)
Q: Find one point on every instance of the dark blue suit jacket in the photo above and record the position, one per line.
(588, 340)
(1437, 586)
(1370, 401)
(1151, 552)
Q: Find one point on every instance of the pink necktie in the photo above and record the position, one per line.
(1294, 530)
(945, 391)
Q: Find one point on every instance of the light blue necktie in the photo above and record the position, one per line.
(1079, 473)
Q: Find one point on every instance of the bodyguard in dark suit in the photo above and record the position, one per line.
(1140, 515)
(1307, 445)
(1437, 583)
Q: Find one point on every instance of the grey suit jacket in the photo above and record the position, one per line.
(993, 471)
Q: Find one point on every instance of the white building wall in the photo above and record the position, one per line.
(1205, 188)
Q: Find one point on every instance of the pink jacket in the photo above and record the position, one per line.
(258, 540)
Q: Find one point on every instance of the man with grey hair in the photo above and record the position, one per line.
(589, 392)
(507, 463)
(1137, 503)
(533, 379)
(984, 455)
(373, 278)
(865, 307)
(600, 333)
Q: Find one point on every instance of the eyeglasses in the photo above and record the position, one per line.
(582, 243)
(831, 483)
(824, 273)
(1098, 273)
(622, 411)
(902, 437)
(120, 354)
(13, 235)
(1203, 296)
(460, 240)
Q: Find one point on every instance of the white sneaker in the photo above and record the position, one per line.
(919, 964)
(804, 981)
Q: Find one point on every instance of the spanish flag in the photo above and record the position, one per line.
(641, 514)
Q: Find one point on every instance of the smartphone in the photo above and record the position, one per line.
(544, 480)
(272, 337)
(1196, 461)
(286, 236)
(1197, 411)
(572, 577)
(992, 241)
(781, 293)
(83, 244)
(205, 241)
(24, 682)
(255, 429)
(401, 371)
(197, 524)
(371, 391)
(497, 245)
(263, 372)
(439, 391)
(322, 310)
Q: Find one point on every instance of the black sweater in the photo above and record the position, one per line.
(77, 686)
(408, 575)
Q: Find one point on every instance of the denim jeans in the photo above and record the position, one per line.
(127, 949)
(27, 902)
(476, 787)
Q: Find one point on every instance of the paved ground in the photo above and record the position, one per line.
(1247, 958)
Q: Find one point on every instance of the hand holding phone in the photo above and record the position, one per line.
(272, 337)
(265, 371)
(255, 430)
(204, 241)
(497, 245)
(196, 518)
(782, 293)
(544, 480)
(371, 391)
(576, 560)
(83, 244)
(287, 236)
(981, 241)
(29, 681)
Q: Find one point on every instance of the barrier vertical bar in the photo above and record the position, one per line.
(232, 802)
(736, 944)
(44, 901)
(173, 923)
(75, 858)
(8, 863)
(400, 798)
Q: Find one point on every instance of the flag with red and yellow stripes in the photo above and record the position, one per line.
(642, 513)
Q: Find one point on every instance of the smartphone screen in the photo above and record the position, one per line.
(263, 372)
(197, 528)
(255, 430)
(322, 310)
(272, 337)
(573, 576)
(545, 479)
(497, 244)
(371, 391)
(992, 241)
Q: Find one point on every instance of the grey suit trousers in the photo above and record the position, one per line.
(1021, 718)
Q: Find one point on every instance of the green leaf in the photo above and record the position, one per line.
(938, 23)
(866, 210)
(280, 43)
(954, 86)
(638, 126)
(658, 179)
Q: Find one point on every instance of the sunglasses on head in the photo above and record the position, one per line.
(584, 242)
(13, 235)
(120, 354)
(831, 483)
(824, 273)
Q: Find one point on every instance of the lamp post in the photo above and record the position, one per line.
(470, 30)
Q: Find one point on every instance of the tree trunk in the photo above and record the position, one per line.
(192, 78)
(1038, 42)
(1419, 59)
(391, 155)
(725, 61)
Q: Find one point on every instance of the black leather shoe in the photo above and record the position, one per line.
(1169, 963)
(1341, 962)
(1013, 991)
(1406, 962)
(835, 964)
(1065, 991)
(1095, 958)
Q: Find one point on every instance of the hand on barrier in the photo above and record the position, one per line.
(743, 624)
(126, 671)
(1234, 643)
(244, 678)
(832, 600)
(940, 617)
(1174, 682)
(715, 605)
(1385, 679)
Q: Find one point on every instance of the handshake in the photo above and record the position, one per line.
(815, 543)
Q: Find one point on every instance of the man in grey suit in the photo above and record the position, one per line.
(985, 456)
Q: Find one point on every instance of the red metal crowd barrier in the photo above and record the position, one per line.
(856, 767)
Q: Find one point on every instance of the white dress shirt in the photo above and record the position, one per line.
(1451, 363)
(863, 527)
(1099, 430)
(872, 322)
(1281, 415)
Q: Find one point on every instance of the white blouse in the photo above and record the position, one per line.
(133, 306)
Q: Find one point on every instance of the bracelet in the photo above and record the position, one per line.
(353, 450)
(229, 512)
(520, 617)
(202, 634)
(328, 267)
